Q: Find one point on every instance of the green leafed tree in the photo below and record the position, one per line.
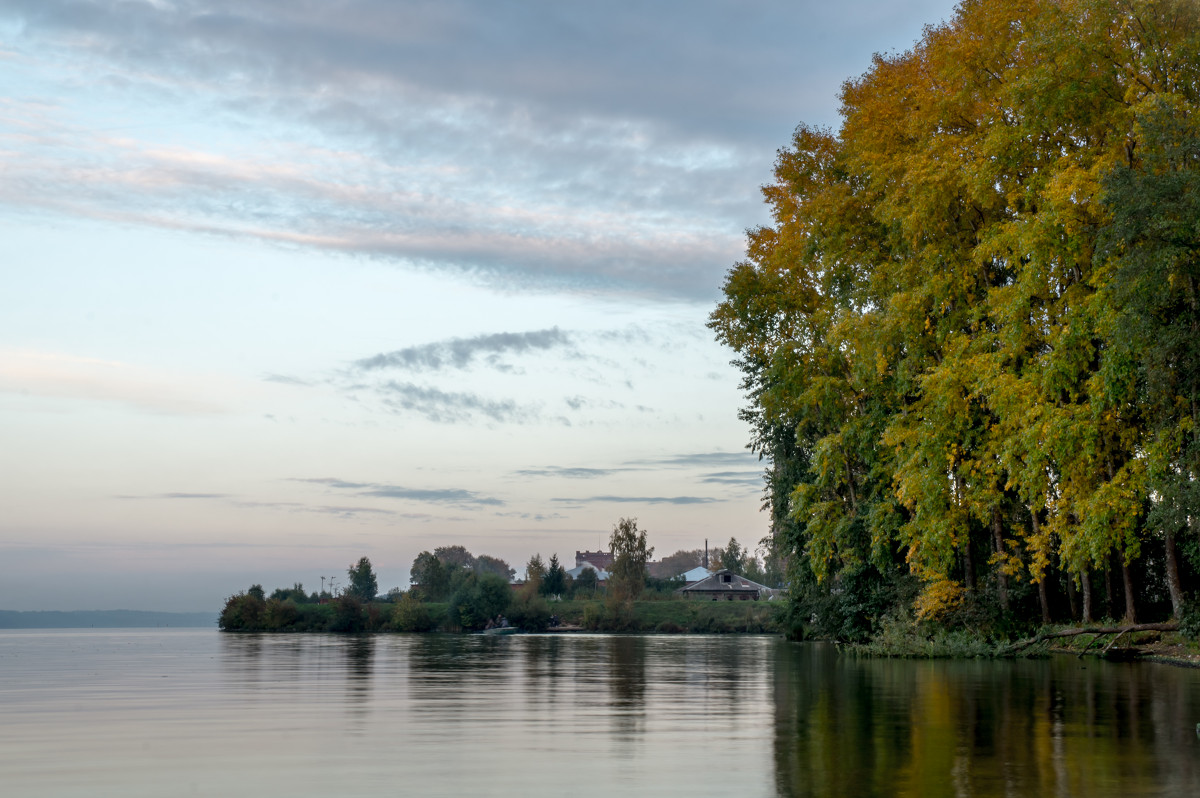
(431, 577)
(480, 598)
(294, 593)
(585, 584)
(630, 553)
(535, 574)
(362, 585)
(485, 564)
(554, 583)
(455, 557)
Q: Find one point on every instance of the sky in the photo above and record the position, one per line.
(288, 283)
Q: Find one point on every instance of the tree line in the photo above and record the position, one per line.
(455, 589)
(970, 336)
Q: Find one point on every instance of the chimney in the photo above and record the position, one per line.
(706, 554)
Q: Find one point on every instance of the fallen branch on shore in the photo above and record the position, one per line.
(1119, 631)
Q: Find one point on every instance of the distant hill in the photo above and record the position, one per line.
(104, 619)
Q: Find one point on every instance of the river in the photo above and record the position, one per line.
(166, 712)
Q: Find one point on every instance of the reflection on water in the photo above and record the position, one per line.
(1065, 727)
(168, 712)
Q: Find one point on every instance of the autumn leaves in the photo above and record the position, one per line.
(967, 336)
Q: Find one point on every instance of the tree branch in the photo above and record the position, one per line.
(1092, 630)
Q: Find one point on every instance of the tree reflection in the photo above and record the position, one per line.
(851, 727)
(627, 683)
(360, 661)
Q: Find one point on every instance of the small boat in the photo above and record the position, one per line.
(501, 630)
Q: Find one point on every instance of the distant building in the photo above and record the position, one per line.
(727, 586)
(601, 574)
(602, 560)
(695, 575)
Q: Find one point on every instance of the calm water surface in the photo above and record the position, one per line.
(194, 712)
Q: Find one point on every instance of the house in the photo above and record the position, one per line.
(601, 574)
(728, 586)
(695, 575)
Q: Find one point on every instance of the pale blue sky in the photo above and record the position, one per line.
(287, 283)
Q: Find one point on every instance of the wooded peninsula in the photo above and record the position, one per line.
(456, 591)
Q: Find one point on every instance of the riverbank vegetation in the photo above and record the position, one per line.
(594, 615)
(970, 337)
(455, 591)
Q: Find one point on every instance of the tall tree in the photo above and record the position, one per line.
(535, 574)
(455, 557)
(555, 581)
(1152, 253)
(630, 553)
(362, 585)
(680, 562)
(485, 564)
(430, 575)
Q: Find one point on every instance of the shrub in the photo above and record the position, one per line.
(618, 614)
(530, 612)
(243, 613)
(1189, 620)
(410, 615)
(347, 614)
(480, 597)
(280, 614)
(899, 635)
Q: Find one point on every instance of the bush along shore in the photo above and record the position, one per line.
(248, 612)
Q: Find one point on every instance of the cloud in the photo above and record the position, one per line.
(284, 379)
(453, 496)
(592, 147)
(701, 460)
(65, 376)
(323, 509)
(180, 496)
(525, 516)
(568, 472)
(639, 500)
(734, 478)
(459, 353)
(445, 407)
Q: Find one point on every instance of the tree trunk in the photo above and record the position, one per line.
(1042, 599)
(1127, 577)
(968, 564)
(968, 560)
(1109, 612)
(998, 544)
(1085, 582)
(1072, 595)
(1173, 576)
